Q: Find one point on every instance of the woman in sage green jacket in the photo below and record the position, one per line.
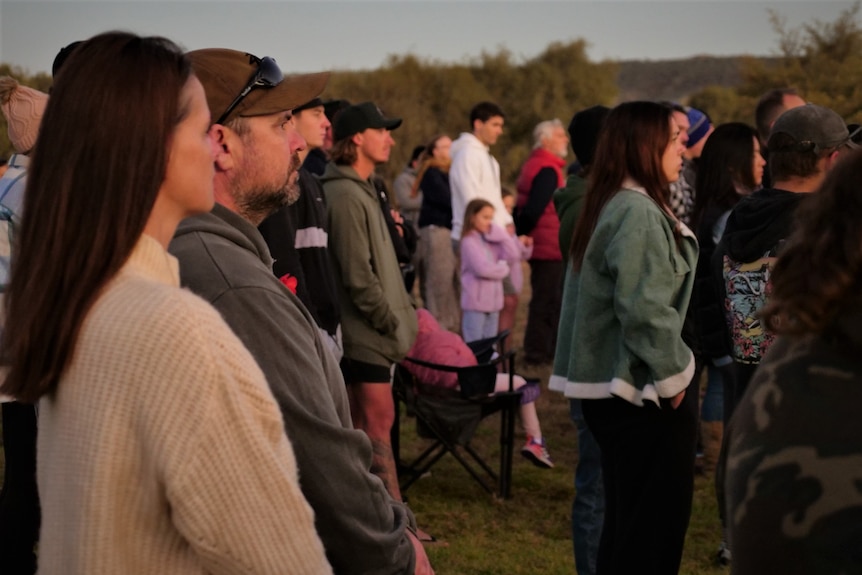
(620, 347)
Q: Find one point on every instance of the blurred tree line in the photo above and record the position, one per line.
(822, 60)
(435, 98)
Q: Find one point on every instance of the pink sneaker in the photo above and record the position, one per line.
(536, 452)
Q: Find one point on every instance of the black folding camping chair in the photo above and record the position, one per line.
(450, 417)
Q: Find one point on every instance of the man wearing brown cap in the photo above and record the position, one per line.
(224, 259)
(378, 319)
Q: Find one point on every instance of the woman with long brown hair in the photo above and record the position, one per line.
(730, 168)
(160, 448)
(620, 344)
(794, 446)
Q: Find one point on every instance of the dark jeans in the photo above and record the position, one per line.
(648, 470)
(19, 500)
(742, 374)
(540, 336)
(588, 507)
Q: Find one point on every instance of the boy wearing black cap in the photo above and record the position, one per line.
(378, 320)
(297, 234)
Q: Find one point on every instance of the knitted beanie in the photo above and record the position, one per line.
(699, 125)
(23, 108)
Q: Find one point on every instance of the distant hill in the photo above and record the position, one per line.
(675, 80)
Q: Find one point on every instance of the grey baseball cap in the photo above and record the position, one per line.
(814, 128)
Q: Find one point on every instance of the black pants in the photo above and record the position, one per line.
(648, 472)
(19, 500)
(743, 372)
(543, 314)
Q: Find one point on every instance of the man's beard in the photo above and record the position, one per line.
(291, 190)
(256, 203)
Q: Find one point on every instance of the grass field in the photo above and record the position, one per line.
(531, 532)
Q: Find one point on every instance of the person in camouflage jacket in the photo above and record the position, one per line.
(792, 463)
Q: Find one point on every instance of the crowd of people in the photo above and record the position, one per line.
(204, 305)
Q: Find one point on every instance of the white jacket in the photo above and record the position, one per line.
(474, 174)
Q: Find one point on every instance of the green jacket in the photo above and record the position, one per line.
(568, 202)
(377, 318)
(622, 315)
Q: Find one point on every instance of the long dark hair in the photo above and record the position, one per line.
(95, 173)
(632, 142)
(820, 268)
(725, 166)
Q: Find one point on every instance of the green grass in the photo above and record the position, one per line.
(531, 532)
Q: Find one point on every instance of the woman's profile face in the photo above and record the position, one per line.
(671, 159)
(441, 148)
(758, 163)
(188, 184)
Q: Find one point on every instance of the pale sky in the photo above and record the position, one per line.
(359, 34)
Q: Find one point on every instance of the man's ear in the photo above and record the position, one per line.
(226, 143)
(357, 138)
(831, 159)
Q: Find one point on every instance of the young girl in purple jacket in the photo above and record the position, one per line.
(487, 253)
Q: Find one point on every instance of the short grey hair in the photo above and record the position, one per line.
(543, 130)
(239, 125)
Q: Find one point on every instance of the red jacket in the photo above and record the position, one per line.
(545, 236)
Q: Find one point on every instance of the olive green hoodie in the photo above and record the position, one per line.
(568, 202)
(377, 316)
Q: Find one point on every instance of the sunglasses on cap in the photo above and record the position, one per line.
(268, 75)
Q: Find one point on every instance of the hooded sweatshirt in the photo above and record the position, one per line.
(743, 261)
(474, 174)
(224, 259)
(377, 317)
(568, 201)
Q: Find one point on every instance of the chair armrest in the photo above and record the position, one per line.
(435, 366)
(483, 348)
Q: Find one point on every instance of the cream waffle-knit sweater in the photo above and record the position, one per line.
(162, 450)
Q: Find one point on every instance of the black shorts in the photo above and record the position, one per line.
(355, 371)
